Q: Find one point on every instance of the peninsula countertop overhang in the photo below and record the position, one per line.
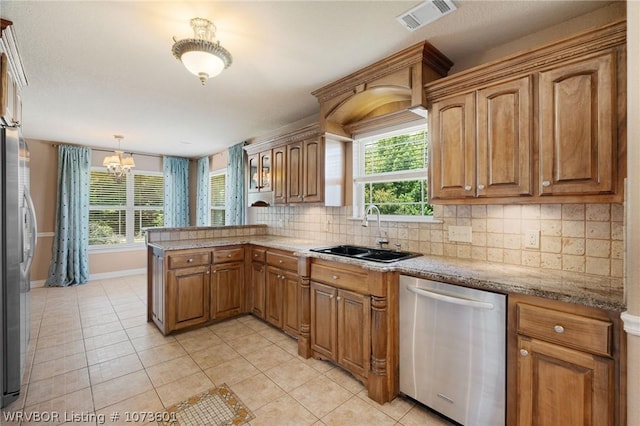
(583, 289)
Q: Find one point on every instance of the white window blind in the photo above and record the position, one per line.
(148, 201)
(217, 182)
(118, 211)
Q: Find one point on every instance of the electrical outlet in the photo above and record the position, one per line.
(532, 239)
(327, 225)
(461, 234)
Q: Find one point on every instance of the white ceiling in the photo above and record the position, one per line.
(96, 69)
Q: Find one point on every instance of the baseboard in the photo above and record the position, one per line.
(36, 284)
(102, 276)
(117, 274)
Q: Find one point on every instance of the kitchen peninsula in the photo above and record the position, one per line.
(201, 275)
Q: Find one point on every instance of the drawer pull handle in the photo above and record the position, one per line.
(335, 277)
(524, 352)
(331, 296)
(338, 298)
(229, 255)
(190, 260)
(467, 187)
(481, 187)
(255, 255)
(280, 261)
(558, 329)
(546, 183)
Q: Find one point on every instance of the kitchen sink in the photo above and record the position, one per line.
(366, 253)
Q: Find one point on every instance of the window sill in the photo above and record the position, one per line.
(114, 248)
(411, 219)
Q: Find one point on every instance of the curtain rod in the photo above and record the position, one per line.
(55, 145)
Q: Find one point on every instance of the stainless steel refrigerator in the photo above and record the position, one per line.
(18, 232)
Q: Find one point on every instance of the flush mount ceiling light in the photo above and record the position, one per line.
(120, 164)
(202, 55)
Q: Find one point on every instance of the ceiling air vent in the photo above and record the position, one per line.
(426, 12)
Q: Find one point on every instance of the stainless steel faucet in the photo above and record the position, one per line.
(382, 238)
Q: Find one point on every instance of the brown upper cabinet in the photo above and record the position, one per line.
(578, 127)
(299, 172)
(305, 167)
(260, 171)
(481, 142)
(12, 77)
(544, 126)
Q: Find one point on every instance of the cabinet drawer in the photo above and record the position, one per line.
(349, 279)
(577, 331)
(282, 261)
(228, 255)
(258, 255)
(188, 260)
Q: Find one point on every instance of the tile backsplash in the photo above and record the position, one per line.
(585, 238)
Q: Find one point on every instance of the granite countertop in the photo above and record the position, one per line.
(583, 289)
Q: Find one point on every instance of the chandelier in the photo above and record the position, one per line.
(120, 164)
(201, 55)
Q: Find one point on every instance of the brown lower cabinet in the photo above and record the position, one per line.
(188, 297)
(340, 320)
(227, 284)
(192, 287)
(566, 364)
(258, 290)
(282, 291)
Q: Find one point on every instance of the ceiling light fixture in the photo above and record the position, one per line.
(201, 55)
(119, 165)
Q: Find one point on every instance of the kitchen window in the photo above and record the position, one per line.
(217, 181)
(119, 211)
(390, 171)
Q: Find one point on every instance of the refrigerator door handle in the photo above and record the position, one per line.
(34, 229)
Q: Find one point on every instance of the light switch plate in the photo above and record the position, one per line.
(460, 234)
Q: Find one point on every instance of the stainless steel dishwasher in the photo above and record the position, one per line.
(453, 350)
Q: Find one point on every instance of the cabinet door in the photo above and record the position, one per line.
(188, 297)
(258, 277)
(254, 176)
(354, 325)
(561, 386)
(453, 150)
(273, 303)
(295, 175)
(227, 282)
(504, 139)
(324, 327)
(313, 168)
(265, 171)
(578, 127)
(279, 175)
(291, 294)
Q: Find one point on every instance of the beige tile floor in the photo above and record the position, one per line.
(92, 351)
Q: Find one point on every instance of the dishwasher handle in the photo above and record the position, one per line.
(451, 299)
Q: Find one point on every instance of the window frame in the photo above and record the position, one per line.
(360, 178)
(222, 208)
(129, 210)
